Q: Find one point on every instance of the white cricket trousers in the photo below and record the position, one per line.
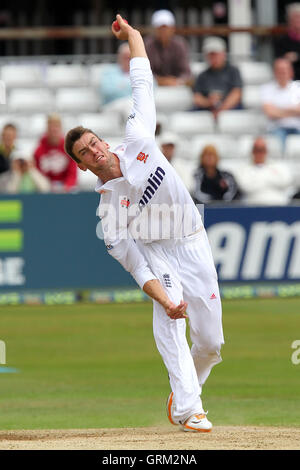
(186, 270)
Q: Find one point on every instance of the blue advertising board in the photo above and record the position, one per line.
(50, 242)
(255, 244)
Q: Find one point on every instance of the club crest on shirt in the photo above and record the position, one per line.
(142, 157)
(125, 202)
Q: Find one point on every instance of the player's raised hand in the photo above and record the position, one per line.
(121, 28)
(177, 311)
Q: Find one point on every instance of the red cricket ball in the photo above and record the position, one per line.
(116, 25)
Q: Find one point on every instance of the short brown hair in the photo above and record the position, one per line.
(72, 136)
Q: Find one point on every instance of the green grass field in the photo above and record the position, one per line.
(95, 366)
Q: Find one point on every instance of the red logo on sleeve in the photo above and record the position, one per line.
(142, 157)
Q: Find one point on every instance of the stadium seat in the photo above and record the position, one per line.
(251, 97)
(20, 75)
(185, 170)
(86, 180)
(103, 124)
(5, 119)
(121, 106)
(255, 73)
(30, 100)
(224, 144)
(69, 121)
(63, 75)
(232, 165)
(37, 124)
(94, 73)
(21, 122)
(197, 68)
(190, 123)
(292, 147)
(237, 122)
(172, 99)
(245, 143)
(163, 120)
(295, 170)
(82, 100)
(113, 141)
(26, 145)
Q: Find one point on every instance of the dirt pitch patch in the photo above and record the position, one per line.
(153, 438)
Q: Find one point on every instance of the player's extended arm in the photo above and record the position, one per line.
(143, 123)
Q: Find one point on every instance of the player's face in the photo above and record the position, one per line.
(92, 152)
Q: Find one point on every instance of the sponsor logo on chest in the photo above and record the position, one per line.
(155, 179)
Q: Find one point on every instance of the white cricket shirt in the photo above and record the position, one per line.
(149, 202)
(282, 98)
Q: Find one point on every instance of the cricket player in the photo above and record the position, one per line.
(152, 227)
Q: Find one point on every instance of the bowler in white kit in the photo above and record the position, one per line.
(153, 228)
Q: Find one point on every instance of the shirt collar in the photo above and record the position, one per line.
(283, 88)
(108, 186)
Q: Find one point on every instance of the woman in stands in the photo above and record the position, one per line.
(211, 183)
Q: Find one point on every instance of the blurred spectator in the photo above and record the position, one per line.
(278, 101)
(167, 52)
(7, 146)
(52, 161)
(264, 182)
(115, 81)
(220, 13)
(168, 142)
(297, 195)
(25, 177)
(211, 183)
(288, 46)
(219, 87)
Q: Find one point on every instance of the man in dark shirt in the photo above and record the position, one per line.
(167, 52)
(218, 88)
(288, 46)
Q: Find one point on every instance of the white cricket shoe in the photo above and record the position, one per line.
(197, 423)
(171, 408)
